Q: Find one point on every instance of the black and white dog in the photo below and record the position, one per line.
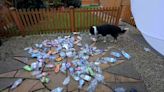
(105, 30)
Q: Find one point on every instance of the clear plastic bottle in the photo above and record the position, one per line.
(16, 83)
(66, 80)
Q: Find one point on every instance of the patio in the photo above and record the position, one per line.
(143, 71)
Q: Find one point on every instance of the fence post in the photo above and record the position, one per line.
(17, 20)
(72, 19)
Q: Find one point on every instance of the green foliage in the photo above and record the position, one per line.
(57, 3)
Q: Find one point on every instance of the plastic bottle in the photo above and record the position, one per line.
(126, 55)
(92, 86)
(66, 80)
(81, 83)
(16, 83)
(58, 89)
(116, 54)
(86, 77)
(34, 73)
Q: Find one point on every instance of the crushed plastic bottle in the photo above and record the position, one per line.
(116, 54)
(86, 77)
(34, 73)
(99, 77)
(90, 71)
(63, 67)
(92, 86)
(62, 54)
(76, 78)
(110, 59)
(119, 89)
(58, 89)
(126, 55)
(34, 65)
(16, 83)
(66, 81)
(71, 70)
(81, 83)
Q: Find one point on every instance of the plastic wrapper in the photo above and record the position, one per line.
(66, 80)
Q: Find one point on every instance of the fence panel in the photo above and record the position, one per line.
(36, 21)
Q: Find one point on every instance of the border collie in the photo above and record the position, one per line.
(105, 30)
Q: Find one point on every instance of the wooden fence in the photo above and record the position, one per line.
(127, 16)
(36, 21)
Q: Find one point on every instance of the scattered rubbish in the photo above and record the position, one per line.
(66, 80)
(16, 83)
(58, 89)
(119, 89)
(53, 54)
(147, 49)
(126, 55)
